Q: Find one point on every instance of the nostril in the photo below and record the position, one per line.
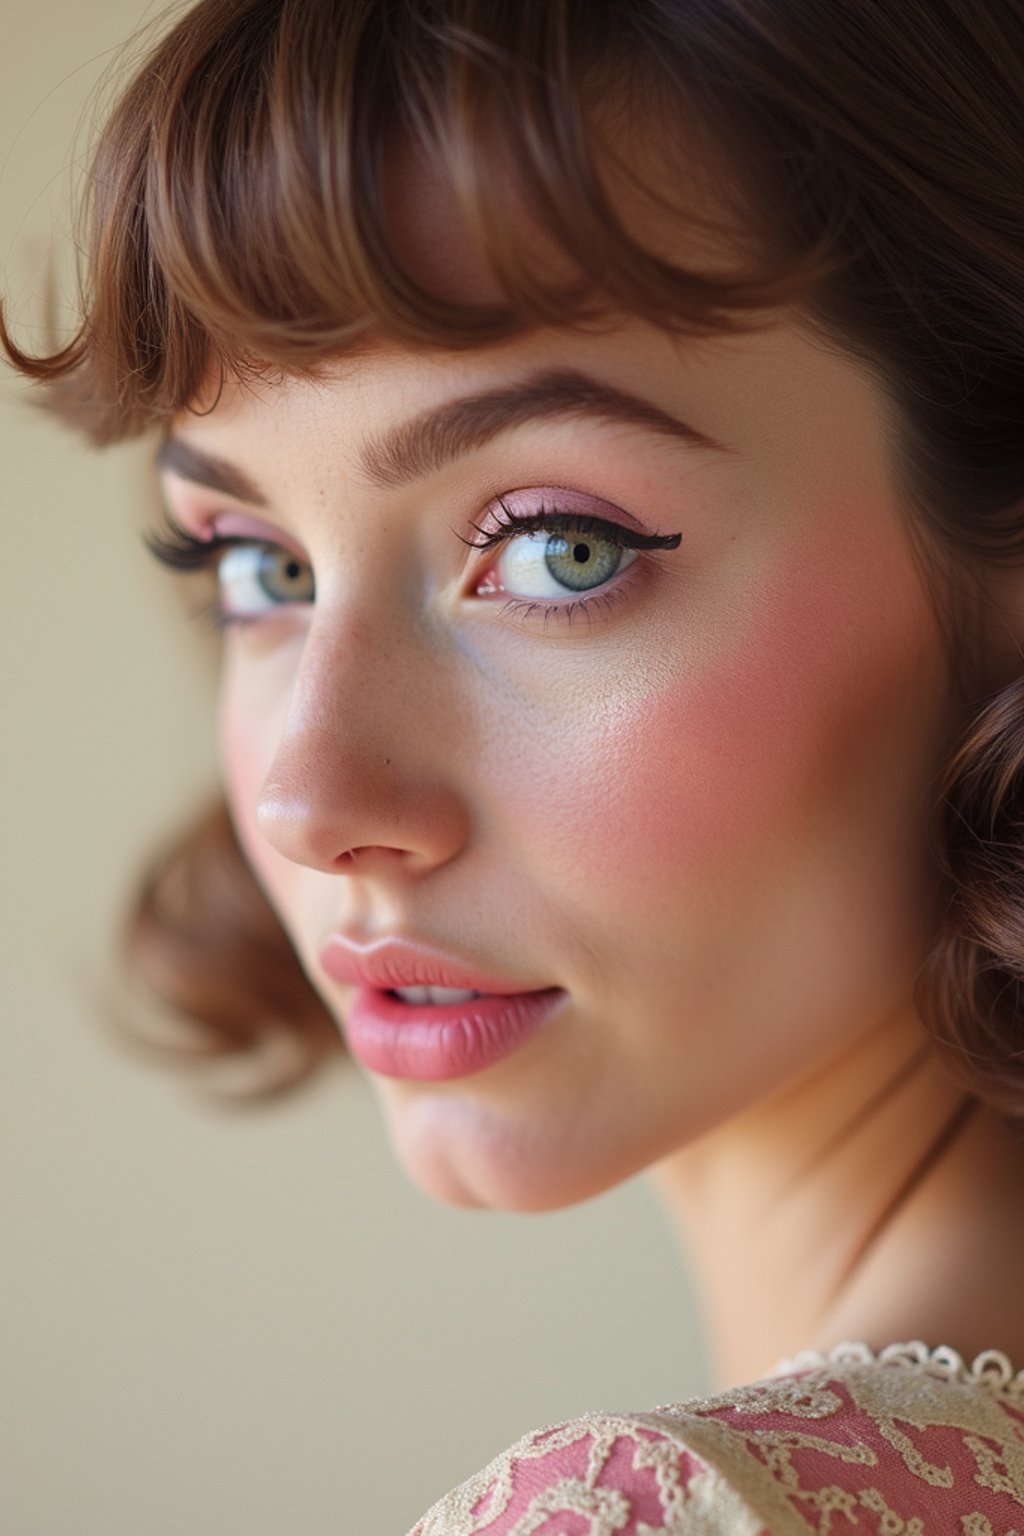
(325, 794)
(369, 853)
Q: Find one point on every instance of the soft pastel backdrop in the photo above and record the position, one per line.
(225, 1323)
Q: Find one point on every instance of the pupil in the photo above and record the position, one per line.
(292, 569)
(581, 553)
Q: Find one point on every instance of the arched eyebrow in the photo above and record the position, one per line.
(181, 458)
(438, 436)
(428, 442)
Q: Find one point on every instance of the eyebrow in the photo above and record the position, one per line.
(444, 433)
(182, 459)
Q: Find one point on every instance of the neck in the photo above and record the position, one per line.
(874, 1201)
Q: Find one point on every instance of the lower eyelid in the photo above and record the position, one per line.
(547, 613)
(547, 616)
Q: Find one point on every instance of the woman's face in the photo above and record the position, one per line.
(682, 793)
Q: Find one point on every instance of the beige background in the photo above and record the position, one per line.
(216, 1322)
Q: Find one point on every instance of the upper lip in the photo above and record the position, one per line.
(389, 963)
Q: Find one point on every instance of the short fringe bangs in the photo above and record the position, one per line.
(236, 212)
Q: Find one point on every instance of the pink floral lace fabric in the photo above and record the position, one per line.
(905, 1442)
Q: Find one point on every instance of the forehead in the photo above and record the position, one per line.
(770, 408)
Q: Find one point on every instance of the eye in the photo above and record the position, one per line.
(554, 543)
(550, 564)
(254, 578)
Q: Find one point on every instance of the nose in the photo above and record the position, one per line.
(361, 779)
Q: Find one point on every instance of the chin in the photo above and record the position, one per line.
(461, 1154)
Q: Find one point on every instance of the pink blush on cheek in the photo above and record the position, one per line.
(808, 705)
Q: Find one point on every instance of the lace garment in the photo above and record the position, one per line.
(904, 1442)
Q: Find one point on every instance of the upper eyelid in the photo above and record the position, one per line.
(555, 500)
(629, 536)
(217, 521)
(554, 506)
(187, 551)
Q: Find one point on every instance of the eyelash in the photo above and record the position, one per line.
(551, 520)
(183, 552)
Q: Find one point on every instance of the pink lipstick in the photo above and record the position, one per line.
(418, 1013)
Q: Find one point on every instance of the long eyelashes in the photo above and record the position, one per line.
(510, 524)
(183, 552)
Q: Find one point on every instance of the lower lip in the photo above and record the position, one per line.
(434, 1043)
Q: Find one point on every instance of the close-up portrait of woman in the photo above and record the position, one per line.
(587, 442)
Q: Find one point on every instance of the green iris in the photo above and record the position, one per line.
(581, 561)
(284, 577)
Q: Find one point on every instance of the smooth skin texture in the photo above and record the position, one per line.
(701, 807)
(702, 811)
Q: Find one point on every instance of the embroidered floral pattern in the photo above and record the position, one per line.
(905, 1442)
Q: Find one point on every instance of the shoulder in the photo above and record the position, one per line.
(909, 1440)
(601, 1473)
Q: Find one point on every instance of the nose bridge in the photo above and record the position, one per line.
(353, 670)
(359, 763)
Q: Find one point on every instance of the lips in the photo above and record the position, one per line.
(390, 963)
(418, 1012)
(436, 996)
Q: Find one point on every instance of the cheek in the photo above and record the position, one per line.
(810, 720)
(248, 734)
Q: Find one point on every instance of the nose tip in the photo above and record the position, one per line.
(362, 779)
(343, 813)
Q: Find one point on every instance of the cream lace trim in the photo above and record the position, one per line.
(991, 1369)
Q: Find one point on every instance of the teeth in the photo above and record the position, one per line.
(435, 995)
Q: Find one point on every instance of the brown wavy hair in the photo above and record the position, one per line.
(235, 212)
